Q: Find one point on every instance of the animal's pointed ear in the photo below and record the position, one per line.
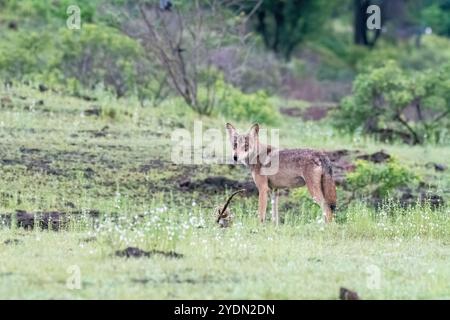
(231, 130)
(254, 130)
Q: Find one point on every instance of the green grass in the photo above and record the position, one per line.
(52, 157)
(294, 261)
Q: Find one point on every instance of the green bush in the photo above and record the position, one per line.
(25, 54)
(432, 51)
(380, 180)
(98, 54)
(253, 107)
(437, 17)
(381, 96)
(51, 11)
(74, 60)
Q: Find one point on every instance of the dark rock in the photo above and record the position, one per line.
(89, 173)
(377, 157)
(437, 166)
(133, 252)
(346, 294)
(87, 98)
(411, 198)
(12, 242)
(89, 239)
(24, 220)
(185, 183)
(13, 25)
(54, 221)
(93, 111)
(42, 87)
(433, 199)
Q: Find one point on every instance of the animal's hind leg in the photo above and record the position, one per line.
(313, 182)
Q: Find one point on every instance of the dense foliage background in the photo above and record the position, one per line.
(392, 83)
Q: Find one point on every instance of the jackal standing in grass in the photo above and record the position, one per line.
(293, 168)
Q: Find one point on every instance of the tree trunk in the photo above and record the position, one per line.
(359, 23)
(261, 27)
(279, 20)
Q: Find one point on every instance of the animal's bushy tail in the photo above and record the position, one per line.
(328, 185)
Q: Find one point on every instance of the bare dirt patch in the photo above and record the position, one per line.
(342, 163)
(377, 157)
(312, 113)
(218, 184)
(54, 221)
(51, 220)
(133, 252)
(10, 242)
(88, 239)
(436, 166)
(315, 113)
(93, 111)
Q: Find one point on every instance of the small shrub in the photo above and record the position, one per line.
(24, 54)
(382, 95)
(431, 52)
(99, 54)
(380, 180)
(302, 196)
(253, 107)
(51, 11)
(72, 61)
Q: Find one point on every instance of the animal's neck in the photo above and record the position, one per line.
(261, 151)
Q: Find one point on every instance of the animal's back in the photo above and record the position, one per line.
(293, 165)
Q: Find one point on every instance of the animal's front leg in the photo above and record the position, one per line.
(262, 184)
(275, 217)
(262, 204)
(263, 188)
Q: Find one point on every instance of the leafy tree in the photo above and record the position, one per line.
(182, 43)
(285, 24)
(99, 54)
(381, 96)
(46, 11)
(437, 16)
(361, 33)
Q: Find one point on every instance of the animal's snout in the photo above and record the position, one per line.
(235, 158)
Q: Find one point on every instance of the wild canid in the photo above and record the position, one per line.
(293, 168)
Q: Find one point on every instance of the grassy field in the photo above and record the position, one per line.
(69, 155)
